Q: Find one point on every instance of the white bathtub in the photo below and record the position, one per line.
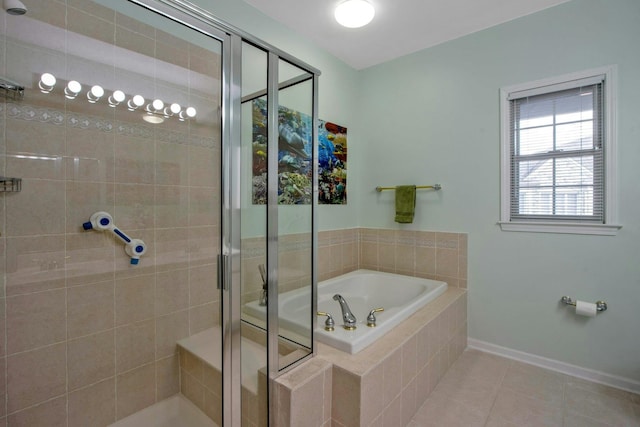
(364, 290)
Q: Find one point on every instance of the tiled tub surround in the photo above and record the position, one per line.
(384, 384)
(428, 254)
(86, 338)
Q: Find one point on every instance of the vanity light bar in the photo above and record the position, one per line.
(156, 107)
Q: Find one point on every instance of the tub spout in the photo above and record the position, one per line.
(347, 315)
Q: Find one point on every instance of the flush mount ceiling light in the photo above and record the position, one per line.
(354, 13)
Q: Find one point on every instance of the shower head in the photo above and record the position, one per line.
(14, 7)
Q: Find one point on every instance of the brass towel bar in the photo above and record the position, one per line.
(434, 186)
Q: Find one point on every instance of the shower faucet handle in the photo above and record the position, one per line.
(371, 318)
(329, 324)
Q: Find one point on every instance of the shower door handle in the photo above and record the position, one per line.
(223, 269)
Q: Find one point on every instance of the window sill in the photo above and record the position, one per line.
(561, 228)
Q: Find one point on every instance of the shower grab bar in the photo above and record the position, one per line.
(102, 221)
(418, 187)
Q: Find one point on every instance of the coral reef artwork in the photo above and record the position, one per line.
(295, 172)
(332, 163)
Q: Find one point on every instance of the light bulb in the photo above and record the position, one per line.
(172, 109)
(191, 112)
(116, 98)
(95, 94)
(47, 82)
(354, 13)
(136, 102)
(72, 90)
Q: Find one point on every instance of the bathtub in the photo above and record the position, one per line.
(364, 290)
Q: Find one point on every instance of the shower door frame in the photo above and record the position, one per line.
(229, 262)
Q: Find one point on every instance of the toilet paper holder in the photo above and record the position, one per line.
(600, 305)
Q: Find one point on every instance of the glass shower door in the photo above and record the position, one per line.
(110, 248)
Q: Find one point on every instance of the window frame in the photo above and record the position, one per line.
(609, 226)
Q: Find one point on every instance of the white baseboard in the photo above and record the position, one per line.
(556, 365)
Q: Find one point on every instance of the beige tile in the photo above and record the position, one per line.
(387, 257)
(82, 200)
(36, 376)
(405, 258)
(192, 365)
(94, 405)
(91, 8)
(346, 397)
(135, 390)
(373, 400)
(192, 389)
(3, 387)
(90, 25)
(213, 407)
(447, 240)
(442, 411)
(35, 320)
(134, 207)
(480, 366)
(134, 299)
(172, 206)
(170, 329)
(513, 407)
(167, 377)
(172, 249)
(425, 260)
(90, 309)
(204, 317)
(90, 359)
(171, 164)
(52, 413)
(135, 345)
(615, 410)
(39, 210)
(204, 167)
(409, 400)
(392, 376)
(392, 414)
(575, 420)
(204, 245)
(212, 379)
(90, 257)
(34, 264)
(202, 284)
(409, 360)
(172, 291)
(203, 206)
(469, 390)
(447, 262)
(535, 382)
(306, 408)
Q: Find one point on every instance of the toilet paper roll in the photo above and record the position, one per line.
(586, 309)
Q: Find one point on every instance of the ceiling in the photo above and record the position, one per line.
(400, 27)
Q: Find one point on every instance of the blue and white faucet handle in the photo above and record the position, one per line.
(99, 221)
(135, 249)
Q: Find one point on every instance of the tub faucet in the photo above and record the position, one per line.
(347, 315)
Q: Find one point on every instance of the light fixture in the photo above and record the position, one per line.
(189, 113)
(152, 118)
(172, 110)
(95, 93)
(47, 82)
(135, 102)
(116, 98)
(14, 7)
(354, 13)
(72, 90)
(155, 106)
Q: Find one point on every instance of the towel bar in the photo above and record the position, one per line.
(434, 186)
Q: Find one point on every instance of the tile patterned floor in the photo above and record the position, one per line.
(485, 390)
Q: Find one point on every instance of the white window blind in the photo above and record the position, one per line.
(557, 152)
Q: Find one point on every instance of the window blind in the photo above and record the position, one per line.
(557, 152)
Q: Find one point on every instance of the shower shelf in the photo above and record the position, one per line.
(11, 90)
(10, 185)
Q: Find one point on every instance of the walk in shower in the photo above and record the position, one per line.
(157, 172)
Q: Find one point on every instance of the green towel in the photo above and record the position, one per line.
(405, 203)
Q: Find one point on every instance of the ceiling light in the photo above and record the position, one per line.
(95, 93)
(354, 13)
(72, 90)
(47, 82)
(149, 118)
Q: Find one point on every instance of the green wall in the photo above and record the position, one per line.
(433, 116)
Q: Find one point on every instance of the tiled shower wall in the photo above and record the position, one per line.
(85, 337)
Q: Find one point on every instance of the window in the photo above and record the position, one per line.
(558, 155)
